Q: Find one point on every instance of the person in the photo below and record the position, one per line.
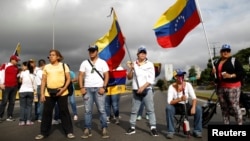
(94, 73)
(178, 95)
(72, 101)
(36, 99)
(112, 101)
(26, 93)
(229, 76)
(9, 85)
(143, 74)
(54, 89)
(140, 112)
(39, 104)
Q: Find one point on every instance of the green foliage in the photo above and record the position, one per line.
(242, 55)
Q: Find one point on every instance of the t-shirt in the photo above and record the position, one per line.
(28, 82)
(55, 76)
(92, 78)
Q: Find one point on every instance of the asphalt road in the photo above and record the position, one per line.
(10, 131)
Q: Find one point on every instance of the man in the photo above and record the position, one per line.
(9, 86)
(39, 104)
(94, 73)
(38, 82)
(178, 94)
(143, 74)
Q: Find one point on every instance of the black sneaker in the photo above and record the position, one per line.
(130, 131)
(154, 132)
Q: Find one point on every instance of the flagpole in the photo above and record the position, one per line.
(53, 25)
(137, 83)
(209, 49)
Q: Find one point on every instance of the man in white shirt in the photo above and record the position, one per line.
(94, 72)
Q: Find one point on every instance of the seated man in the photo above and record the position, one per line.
(178, 93)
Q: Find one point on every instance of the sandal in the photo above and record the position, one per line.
(39, 137)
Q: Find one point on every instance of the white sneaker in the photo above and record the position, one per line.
(28, 122)
(138, 118)
(55, 122)
(75, 117)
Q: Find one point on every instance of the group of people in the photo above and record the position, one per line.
(93, 79)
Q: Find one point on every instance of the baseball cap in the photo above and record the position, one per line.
(179, 72)
(142, 49)
(93, 48)
(225, 47)
(14, 57)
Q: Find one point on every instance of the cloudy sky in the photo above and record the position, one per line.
(78, 23)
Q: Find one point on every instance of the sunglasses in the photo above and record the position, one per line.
(226, 50)
(93, 69)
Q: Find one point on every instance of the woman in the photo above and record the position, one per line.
(26, 93)
(229, 76)
(54, 90)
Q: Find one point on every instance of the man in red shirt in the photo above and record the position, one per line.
(9, 87)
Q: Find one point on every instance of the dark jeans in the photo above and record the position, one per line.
(49, 105)
(26, 101)
(8, 96)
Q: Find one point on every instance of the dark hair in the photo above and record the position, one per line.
(41, 62)
(29, 66)
(57, 54)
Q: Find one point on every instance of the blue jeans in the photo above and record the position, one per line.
(170, 112)
(89, 98)
(112, 101)
(8, 96)
(149, 105)
(26, 100)
(72, 102)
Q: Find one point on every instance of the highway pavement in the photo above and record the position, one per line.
(10, 131)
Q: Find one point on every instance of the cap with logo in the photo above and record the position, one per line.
(225, 47)
(93, 48)
(179, 72)
(141, 49)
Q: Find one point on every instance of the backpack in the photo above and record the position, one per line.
(70, 86)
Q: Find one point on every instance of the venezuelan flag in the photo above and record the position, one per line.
(157, 67)
(176, 22)
(117, 81)
(111, 45)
